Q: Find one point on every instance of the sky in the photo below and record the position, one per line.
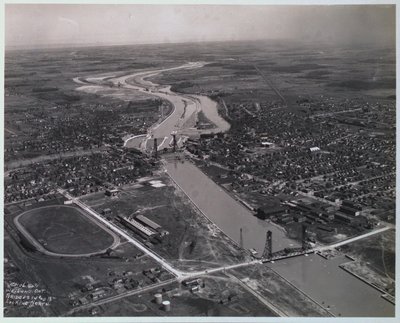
(41, 25)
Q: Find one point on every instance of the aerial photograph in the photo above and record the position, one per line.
(199, 160)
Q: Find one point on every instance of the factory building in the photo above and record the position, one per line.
(344, 217)
(147, 222)
(192, 283)
(266, 212)
(136, 226)
(350, 208)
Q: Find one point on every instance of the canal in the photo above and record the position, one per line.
(329, 285)
(227, 213)
(321, 279)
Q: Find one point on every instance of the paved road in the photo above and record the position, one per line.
(118, 230)
(362, 236)
(120, 296)
(178, 121)
(335, 112)
(181, 275)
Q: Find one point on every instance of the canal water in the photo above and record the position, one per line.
(227, 213)
(322, 280)
(329, 285)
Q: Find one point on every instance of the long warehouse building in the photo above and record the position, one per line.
(148, 222)
(137, 227)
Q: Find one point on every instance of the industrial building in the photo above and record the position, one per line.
(147, 222)
(350, 208)
(344, 217)
(111, 192)
(192, 283)
(134, 225)
(266, 212)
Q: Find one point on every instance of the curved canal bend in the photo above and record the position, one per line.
(216, 204)
(230, 216)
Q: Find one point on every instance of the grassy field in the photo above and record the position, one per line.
(39, 91)
(278, 291)
(192, 243)
(65, 279)
(378, 253)
(65, 230)
(292, 68)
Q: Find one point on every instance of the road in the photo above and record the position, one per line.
(120, 296)
(178, 273)
(116, 229)
(181, 121)
(328, 114)
(271, 85)
(362, 236)
(181, 275)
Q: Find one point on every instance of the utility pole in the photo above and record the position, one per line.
(304, 237)
(174, 140)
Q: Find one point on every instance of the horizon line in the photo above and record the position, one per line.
(85, 45)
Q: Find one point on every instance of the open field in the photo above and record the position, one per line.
(65, 230)
(378, 251)
(300, 70)
(68, 281)
(278, 291)
(192, 243)
(375, 259)
(280, 99)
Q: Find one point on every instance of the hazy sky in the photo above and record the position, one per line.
(42, 24)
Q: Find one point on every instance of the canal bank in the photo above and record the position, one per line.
(320, 279)
(227, 213)
(331, 287)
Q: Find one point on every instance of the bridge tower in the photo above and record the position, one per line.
(268, 246)
(155, 148)
(241, 238)
(304, 237)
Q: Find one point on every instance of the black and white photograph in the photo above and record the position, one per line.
(185, 161)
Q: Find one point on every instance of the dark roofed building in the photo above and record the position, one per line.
(265, 212)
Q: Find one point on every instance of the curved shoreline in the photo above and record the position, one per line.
(185, 106)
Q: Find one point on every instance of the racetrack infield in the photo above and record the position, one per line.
(65, 231)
